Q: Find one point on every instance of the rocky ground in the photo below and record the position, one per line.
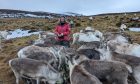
(10, 47)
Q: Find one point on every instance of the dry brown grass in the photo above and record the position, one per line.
(26, 23)
(9, 51)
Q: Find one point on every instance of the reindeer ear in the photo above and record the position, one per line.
(63, 49)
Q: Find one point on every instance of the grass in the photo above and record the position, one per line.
(106, 23)
(8, 52)
(135, 36)
(25, 23)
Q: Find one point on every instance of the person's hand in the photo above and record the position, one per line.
(62, 34)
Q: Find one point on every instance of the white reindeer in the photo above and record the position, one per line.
(3, 36)
(123, 27)
(132, 63)
(125, 48)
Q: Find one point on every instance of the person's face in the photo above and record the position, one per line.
(62, 19)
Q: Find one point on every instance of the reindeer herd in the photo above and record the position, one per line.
(109, 57)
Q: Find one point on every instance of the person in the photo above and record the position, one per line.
(71, 23)
(62, 30)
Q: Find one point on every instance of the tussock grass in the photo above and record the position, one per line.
(8, 52)
(108, 23)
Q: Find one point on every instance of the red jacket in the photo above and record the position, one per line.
(65, 29)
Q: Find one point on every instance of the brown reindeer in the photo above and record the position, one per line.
(131, 62)
(81, 76)
(113, 72)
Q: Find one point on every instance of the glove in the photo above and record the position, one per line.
(60, 35)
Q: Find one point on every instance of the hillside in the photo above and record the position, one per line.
(102, 22)
(8, 13)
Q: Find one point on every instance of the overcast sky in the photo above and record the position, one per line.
(86, 7)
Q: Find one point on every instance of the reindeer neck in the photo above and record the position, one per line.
(106, 54)
(71, 67)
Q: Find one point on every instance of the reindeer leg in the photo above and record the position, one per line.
(0, 43)
(17, 80)
(125, 82)
(136, 74)
(38, 81)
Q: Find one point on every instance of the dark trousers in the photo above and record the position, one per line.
(64, 43)
(71, 25)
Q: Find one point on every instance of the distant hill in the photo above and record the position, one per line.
(116, 13)
(9, 13)
(72, 14)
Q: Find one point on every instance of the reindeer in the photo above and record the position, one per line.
(3, 36)
(46, 39)
(87, 36)
(125, 48)
(81, 76)
(114, 72)
(34, 69)
(132, 62)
